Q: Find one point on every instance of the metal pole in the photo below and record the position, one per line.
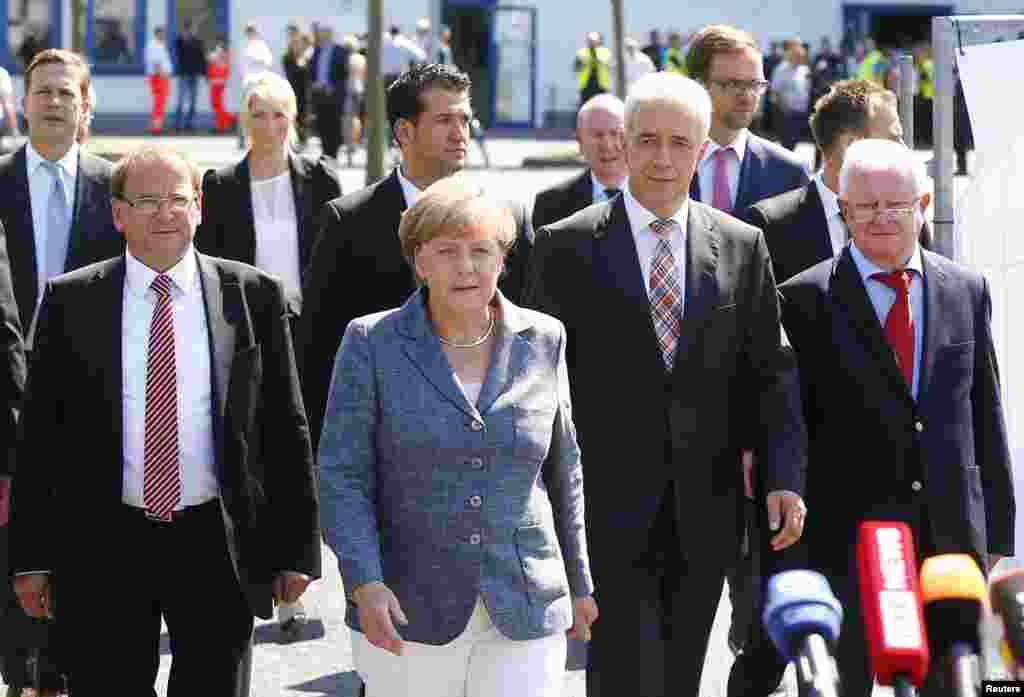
(907, 82)
(374, 94)
(618, 29)
(943, 47)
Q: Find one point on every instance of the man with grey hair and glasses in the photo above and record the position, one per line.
(683, 296)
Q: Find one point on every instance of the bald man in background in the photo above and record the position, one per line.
(600, 131)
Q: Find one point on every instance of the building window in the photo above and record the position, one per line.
(29, 30)
(115, 36)
(208, 18)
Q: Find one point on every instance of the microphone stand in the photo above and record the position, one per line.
(815, 668)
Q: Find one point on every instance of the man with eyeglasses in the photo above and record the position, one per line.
(165, 415)
(55, 209)
(737, 167)
(901, 395)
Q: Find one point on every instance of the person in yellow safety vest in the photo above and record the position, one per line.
(675, 57)
(873, 67)
(592, 65)
(923, 100)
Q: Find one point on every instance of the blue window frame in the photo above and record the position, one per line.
(115, 36)
(21, 19)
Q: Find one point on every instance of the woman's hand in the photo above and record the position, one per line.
(378, 606)
(585, 613)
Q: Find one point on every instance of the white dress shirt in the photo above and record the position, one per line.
(883, 298)
(640, 220)
(194, 387)
(597, 188)
(397, 53)
(277, 231)
(158, 58)
(837, 231)
(409, 190)
(706, 167)
(40, 184)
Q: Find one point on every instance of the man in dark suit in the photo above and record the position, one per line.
(57, 217)
(599, 132)
(190, 59)
(737, 168)
(83, 232)
(901, 394)
(805, 226)
(683, 297)
(357, 266)
(329, 75)
(176, 371)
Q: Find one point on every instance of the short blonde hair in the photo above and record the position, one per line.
(450, 207)
(273, 88)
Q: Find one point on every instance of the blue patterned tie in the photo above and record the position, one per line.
(57, 223)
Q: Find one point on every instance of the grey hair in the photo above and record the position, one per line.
(604, 102)
(670, 87)
(874, 155)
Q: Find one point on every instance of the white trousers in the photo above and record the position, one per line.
(480, 662)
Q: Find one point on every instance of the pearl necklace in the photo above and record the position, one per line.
(472, 344)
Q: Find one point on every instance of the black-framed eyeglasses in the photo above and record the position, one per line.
(737, 87)
(149, 205)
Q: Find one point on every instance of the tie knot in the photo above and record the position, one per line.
(723, 154)
(611, 192)
(662, 227)
(899, 280)
(162, 285)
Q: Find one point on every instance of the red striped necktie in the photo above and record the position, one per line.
(161, 489)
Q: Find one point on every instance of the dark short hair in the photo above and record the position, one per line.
(59, 56)
(405, 95)
(846, 108)
(712, 40)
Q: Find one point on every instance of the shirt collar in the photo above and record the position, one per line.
(738, 145)
(640, 218)
(598, 188)
(829, 198)
(139, 277)
(867, 268)
(409, 190)
(68, 163)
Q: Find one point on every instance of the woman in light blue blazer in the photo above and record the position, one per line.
(451, 483)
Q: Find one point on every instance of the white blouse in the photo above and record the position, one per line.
(470, 389)
(277, 231)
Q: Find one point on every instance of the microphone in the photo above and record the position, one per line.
(954, 593)
(803, 618)
(1007, 593)
(891, 605)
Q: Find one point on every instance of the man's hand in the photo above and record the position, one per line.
(747, 458)
(289, 586)
(787, 510)
(33, 591)
(5, 500)
(378, 606)
(584, 611)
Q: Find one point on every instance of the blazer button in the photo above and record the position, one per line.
(475, 501)
(918, 426)
(474, 539)
(476, 463)
(916, 485)
(475, 426)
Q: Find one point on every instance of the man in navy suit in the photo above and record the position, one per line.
(737, 168)
(901, 394)
(329, 68)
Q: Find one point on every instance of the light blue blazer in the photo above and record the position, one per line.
(445, 501)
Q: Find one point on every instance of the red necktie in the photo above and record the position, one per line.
(899, 323)
(722, 197)
(161, 482)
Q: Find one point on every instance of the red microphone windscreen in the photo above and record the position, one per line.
(891, 602)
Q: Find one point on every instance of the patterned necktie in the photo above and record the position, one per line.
(665, 293)
(161, 489)
(899, 323)
(722, 199)
(57, 223)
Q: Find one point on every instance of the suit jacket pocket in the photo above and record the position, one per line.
(541, 561)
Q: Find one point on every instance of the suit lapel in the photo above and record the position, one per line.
(509, 356)
(85, 190)
(695, 184)
(701, 283)
(750, 172)
(300, 182)
(582, 192)
(849, 294)
(814, 222)
(21, 242)
(107, 326)
(247, 220)
(937, 294)
(424, 351)
(224, 310)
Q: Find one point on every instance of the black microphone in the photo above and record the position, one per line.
(954, 594)
(803, 618)
(1007, 594)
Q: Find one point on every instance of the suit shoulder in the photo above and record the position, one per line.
(358, 201)
(726, 225)
(816, 278)
(87, 273)
(781, 205)
(97, 166)
(377, 323)
(562, 188)
(975, 280)
(580, 224)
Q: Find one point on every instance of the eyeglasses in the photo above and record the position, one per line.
(735, 88)
(863, 215)
(149, 205)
